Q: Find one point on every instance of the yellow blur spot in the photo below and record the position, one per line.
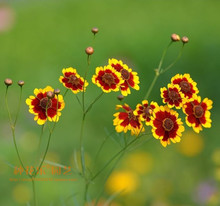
(122, 181)
(216, 156)
(21, 194)
(191, 144)
(140, 162)
(53, 157)
(217, 174)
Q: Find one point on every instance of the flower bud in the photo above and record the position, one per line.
(95, 30)
(56, 91)
(89, 50)
(50, 94)
(8, 82)
(120, 97)
(185, 39)
(21, 83)
(175, 37)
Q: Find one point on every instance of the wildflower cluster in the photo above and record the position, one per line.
(181, 93)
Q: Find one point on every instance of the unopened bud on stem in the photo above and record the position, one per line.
(50, 94)
(56, 91)
(95, 30)
(89, 50)
(175, 37)
(21, 83)
(8, 82)
(120, 97)
(185, 39)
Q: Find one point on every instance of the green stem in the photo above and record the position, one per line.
(175, 61)
(65, 92)
(34, 191)
(19, 107)
(41, 135)
(157, 71)
(95, 100)
(81, 146)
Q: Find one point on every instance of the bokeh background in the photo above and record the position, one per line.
(39, 38)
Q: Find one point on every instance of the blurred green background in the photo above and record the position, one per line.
(39, 38)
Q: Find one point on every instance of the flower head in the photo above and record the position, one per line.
(145, 111)
(166, 125)
(187, 85)
(130, 78)
(72, 80)
(198, 113)
(43, 107)
(172, 96)
(127, 120)
(107, 78)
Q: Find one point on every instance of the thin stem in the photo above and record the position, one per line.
(94, 101)
(41, 135)
(13, 130)
(19, 107)
(175, 61)
(77, 98)
(157, 71)
(65, 92)
(81, 145)
(34, 191)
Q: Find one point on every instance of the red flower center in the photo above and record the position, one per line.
(147, 111)
(45, 103)
(125, 74)
(185, 86)
(108, 78)
(131, 115)
(173, 95)
(168, 124)
(73, 79)
(198, 111)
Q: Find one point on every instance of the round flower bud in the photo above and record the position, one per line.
(56, 91)
(175, 37)
(89, 50)
(185, 39)
(95, 30)
(21, 83)
(50, 94)
(8, 82)
(120, 97)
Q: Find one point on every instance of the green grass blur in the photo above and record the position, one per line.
(48, 35)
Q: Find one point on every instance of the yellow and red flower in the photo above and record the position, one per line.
(43, 107)
(130, 78)
(166, 125)
(72, 80)
(198, 113)
(145, 111)
(107, 78)
(187, 85)
(172, 96)
(127, 120)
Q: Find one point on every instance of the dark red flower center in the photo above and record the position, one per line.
(73, 80)
(147, 111)
(198, 111)
(173, 95)
(125, 74)
(168, 124)
(131, 115)
(45, 103)
(185, 86)
(108, 78)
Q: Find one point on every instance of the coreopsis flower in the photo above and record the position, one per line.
(72, 80)
(187, 85)
(198, 114)
(127, 120)
(130, 78)
(172, 96)
(107, 78)
(44, 107)
(166, 125)
(145, 111)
